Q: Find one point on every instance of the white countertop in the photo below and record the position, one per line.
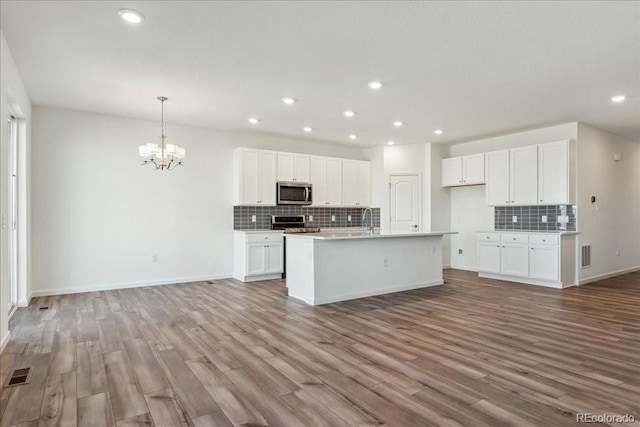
(528, 232)
(363, 234)
(259, 231)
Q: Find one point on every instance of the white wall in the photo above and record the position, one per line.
(13, 96)
(99, 217)
(469, 212)
(613, 222)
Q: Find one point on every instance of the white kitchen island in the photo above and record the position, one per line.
(329, 267)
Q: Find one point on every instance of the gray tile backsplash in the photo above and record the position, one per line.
(530, 218)
(321, 216)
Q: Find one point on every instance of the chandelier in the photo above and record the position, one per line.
(164, 156)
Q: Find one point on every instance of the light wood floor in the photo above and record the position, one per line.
(472, 352)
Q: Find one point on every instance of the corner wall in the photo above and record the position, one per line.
(613, 222)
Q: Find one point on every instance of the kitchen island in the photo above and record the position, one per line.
(330, 266)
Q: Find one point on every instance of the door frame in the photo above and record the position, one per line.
(420, 201)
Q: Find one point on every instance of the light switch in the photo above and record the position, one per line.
(544, 218)
(514, 218)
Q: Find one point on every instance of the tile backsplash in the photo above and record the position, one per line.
(322, 217)
(530, 218)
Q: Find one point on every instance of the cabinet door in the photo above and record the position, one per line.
(363, 187)
(489, 257)
(452, 171)
(268, 161)
(318, 179)
(544, 262)
(497, 177)
(256, 259)
(349, 182)
(524, 176)
(334, 182)
(301, 168)
(274, 258)
(285, 167)
(473, 169)
(553, 173)
(249, 177)
(515, 259)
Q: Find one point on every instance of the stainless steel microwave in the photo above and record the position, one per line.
(294, 193)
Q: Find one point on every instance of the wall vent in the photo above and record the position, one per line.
(19, 377)
(585, 256)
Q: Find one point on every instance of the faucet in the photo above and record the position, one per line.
(364, 214)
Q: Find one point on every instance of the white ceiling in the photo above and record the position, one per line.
(471, 68)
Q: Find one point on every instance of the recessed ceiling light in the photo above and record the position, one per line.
(288, 101)
(307, 129)
(438, 131)
(131, 16)
(353, 136)
(398, 124)
(391, 143)
(349, 113)
(618, 98)
(375, 85)
(253, 120)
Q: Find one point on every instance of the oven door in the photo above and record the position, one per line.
(294, 193)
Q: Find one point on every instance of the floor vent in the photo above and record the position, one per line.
(585, 256)
(19, 377)
(44, 307)
(211, 282)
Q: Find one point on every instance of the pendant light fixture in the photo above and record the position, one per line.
(164, 156)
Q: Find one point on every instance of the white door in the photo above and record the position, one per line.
(334, 182)
(497, 177)
(363, 184)
(553, 173)
(452, 171)
(544, 262)
(489, 257)
(301, 168)
(349, 182)
(256, 258)
(268, 166)
(318, 179)
(250, 191)
(473, 169)
(524, 176)
(285, 167)
(274, 258)
(405, 203)
(515, 259)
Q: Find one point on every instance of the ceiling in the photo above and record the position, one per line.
(473, 69)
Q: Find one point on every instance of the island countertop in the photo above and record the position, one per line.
(360, 234)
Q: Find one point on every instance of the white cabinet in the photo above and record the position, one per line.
(293, 167)
(254, 177)
(326, 179)
(554, 182)
(356, 183)
(523, 176)
(258, 256)
(497, 174)
(533, 258)
(466, 170)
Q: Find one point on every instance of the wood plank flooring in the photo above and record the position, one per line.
(473, 352)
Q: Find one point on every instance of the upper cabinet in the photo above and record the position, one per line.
(465, 170)
(326, 179)
(356, 183)
(293, 167)
(531, 175)
(254, 175)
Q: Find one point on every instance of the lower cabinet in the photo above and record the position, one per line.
(258, 256)
(535, 258)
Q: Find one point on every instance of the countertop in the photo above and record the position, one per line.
(259, 231)
(363, 234)
(561, 232)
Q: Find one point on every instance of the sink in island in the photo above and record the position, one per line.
(330, 266)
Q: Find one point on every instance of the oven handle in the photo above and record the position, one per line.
(306, 194)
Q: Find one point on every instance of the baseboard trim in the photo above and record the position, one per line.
(464, 267)
(4, 342)
(525, 280)
(127, 285)
(608, 275)
(25, 303)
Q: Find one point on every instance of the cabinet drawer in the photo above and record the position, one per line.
(544, 239)
(488, 237)
(264, 237)
(515, 238)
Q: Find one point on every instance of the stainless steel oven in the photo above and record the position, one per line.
(294, 193)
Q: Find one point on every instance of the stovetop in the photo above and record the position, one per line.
(296, 230)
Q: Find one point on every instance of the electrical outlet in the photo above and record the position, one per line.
(618, 252)
(349, 218)
(333, 218)
(385, 263)
(433, 249)
(311, 218)
(514, 218)
(459, 251)
(154, 258)
(544, 218)
(253, 218)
